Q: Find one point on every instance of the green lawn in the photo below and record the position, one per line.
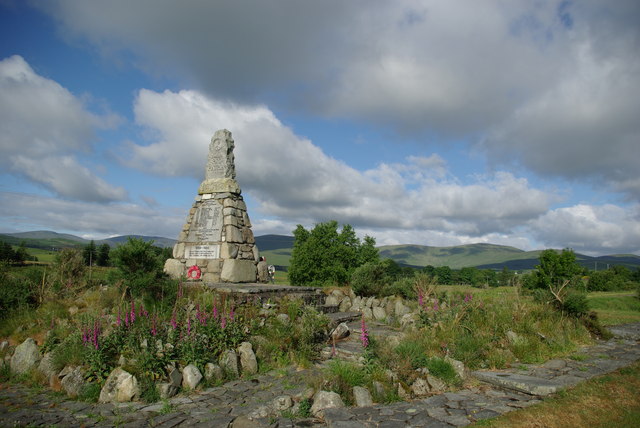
(615, 307)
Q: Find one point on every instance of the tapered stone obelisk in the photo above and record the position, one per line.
(216, 243)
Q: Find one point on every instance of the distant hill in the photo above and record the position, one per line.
(277, 250)
(48, 240)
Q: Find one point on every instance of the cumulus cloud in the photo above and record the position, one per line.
(550, 85)
(43, 125)
(293, 180)
(24, 211)
(591, 229)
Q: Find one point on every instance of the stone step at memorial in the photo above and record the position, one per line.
(329, 309)
(264, 293)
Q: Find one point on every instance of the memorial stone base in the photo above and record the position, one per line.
(216, 243)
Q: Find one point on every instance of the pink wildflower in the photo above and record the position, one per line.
(132, 317)
(118, 319)
(215, 312)
(96, 333)
(126, 319)
(153, 326)
(174, 324)
(435, 305)
(420, 299)
(231, 315)
(223, 322)
(364, 334)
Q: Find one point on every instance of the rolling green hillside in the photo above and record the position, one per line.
(277, 250)
(455, 257)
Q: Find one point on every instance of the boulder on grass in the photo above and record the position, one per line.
(73, 382)
(362, 396)
(191, 377)
(25, 357)
(248, 360)
(325, 400)
(121, 386)
(229, 362)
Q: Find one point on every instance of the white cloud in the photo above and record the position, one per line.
(293, 180)
(29, 212)
(553, 85)
(67, 178)
(42, 126)
(591, 229)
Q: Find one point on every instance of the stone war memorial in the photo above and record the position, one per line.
(216, 243)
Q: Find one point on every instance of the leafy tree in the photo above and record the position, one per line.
(556, 269)
(325, 256)
(559, 274)
(139, 267)
(90, 253)
(506, 277)
(6, 252)
(21, 253)
(444, 274)
(103, 254)
(135, 258)
(69, 268)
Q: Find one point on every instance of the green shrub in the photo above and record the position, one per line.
(404, 287)
(442, 369)
(575, 304)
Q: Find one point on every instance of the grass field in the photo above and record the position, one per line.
(608, 401)
(615, 307)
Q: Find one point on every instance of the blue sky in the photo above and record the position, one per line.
(417, 122)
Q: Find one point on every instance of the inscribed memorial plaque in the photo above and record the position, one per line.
(207, 223)
(202, 251)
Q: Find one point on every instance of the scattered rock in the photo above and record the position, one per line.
(191, 377)
(401, 309)
(282, 403)
(362, 397)
(331, 300)
(436, 384)
(213, 372)
(25, 357)
(229, 362)
(174, 376)
(408, 320)
(458, 366)
(419, 388)
(166, 390)
(379, 313)
(73, 382)
(325, 400)
(283, 318)
(345, 305)
(367, 313)
(340, 332)
(378, 389)
(248, 360)
(402, 393)
(120, 387)
(46, 366)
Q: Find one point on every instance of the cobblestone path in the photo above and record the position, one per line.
(246, 403)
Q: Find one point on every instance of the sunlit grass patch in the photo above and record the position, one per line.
(608, 401)
(615, 307)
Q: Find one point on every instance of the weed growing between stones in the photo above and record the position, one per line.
(283, 340)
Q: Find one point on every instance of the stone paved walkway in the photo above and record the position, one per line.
(233, 404)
